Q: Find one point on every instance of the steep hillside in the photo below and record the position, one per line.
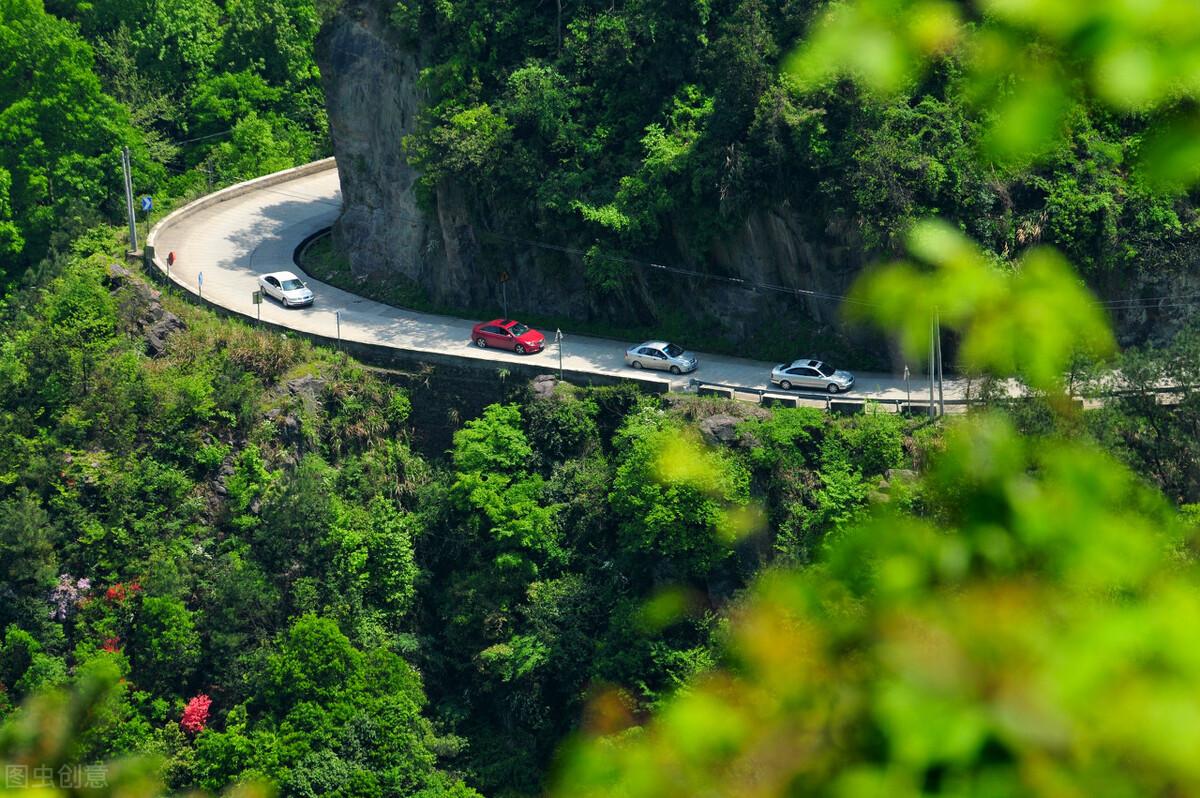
(233, 537)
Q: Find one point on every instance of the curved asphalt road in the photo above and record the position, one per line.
(233, 241)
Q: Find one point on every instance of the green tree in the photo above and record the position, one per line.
(61, 133)
(28, 560)
(315, 662)
(672, 496)
(165, 646)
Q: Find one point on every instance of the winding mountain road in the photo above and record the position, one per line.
(224, 241)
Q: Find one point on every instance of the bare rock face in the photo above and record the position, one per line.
(543, 386)
(374, 102)
(142, 306)
(373, 99)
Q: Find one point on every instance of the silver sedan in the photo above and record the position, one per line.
(660, 355)
(812, 375)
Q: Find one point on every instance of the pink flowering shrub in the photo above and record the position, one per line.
(195, 714)
(65, 595)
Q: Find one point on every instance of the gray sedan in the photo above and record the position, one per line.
(812, 375)
(662, 356)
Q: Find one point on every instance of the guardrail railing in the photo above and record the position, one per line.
(833, 402)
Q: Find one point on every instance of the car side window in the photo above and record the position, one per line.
(657, 354)
(645, 350)
(795, 371)
(492, 329)
(274, 283)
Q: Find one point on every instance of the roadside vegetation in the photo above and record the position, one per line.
(652, 130)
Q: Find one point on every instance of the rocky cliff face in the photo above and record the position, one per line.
(374, 99)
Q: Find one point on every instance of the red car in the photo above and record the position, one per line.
(507, 334)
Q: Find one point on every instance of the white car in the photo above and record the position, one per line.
(811, 375)
(660, 355)
(289, 289)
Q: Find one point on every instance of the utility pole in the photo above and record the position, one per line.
(558, 339)
(932, 364)
(937, 323)
(133, 242)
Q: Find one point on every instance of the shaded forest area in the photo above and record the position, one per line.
(654, 128)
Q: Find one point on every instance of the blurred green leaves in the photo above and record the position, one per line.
(41, 743)
(1029, 632)
(1027, 320)
(1028, 637)
(1024, 63)
(881, 43)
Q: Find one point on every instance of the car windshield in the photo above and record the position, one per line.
(825, 369)
(292, 285)
(518, 329)
(673, 350)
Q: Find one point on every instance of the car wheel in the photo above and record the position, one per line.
(785, 385)
(637, 364)
(285, 303)
(833, 388)
(519, 349)
(675, 370)
(481, 342)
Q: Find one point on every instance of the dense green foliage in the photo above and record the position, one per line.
(160, 523)
(242, 519)
(228, 563)
(202, 93)
(651, 127)
(1023, 626)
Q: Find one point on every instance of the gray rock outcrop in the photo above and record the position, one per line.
(142, 306)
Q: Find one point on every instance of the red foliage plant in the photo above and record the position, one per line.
(121, 591)
(112, 644)
(195, 714)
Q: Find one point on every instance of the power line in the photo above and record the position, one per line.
(1147, 303)
(202, 138)
(735, 281)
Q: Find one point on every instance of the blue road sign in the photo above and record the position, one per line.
(147, 204)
